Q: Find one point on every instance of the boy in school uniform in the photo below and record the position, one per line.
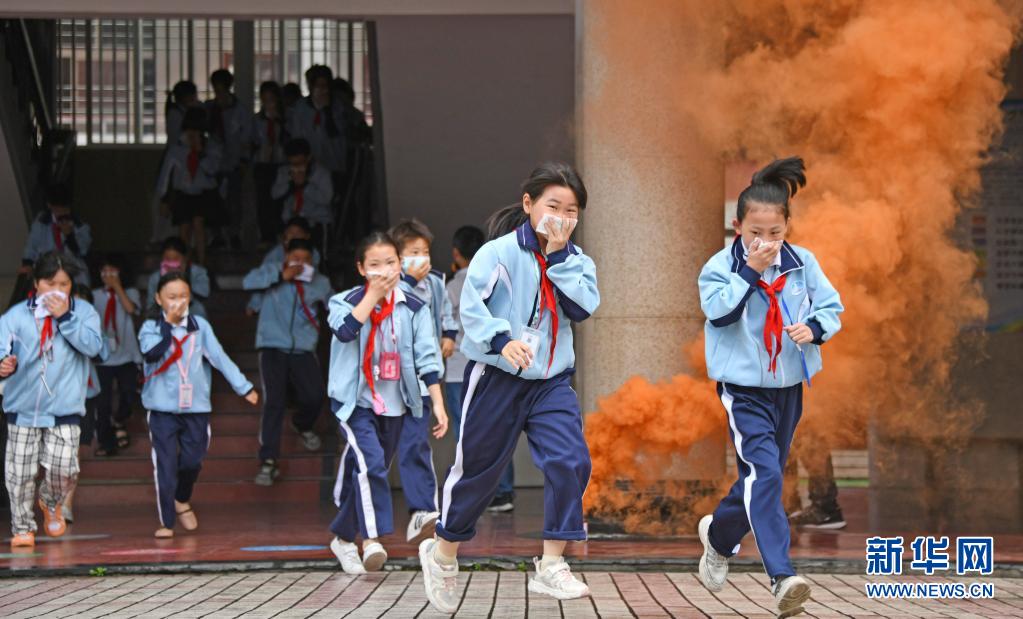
(288, 332)
(415, 457)
(188, 181)
(267, 139)
(305, 189)
(230, 124)
(294, 228)
(57, 229)
(320, 120)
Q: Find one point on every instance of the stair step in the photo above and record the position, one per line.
(240, 445)
(299, 490)
(119, 469)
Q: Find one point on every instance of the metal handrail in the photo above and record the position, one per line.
(36, 81)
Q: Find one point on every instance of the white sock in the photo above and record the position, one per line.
(443, 559)
(548, 560)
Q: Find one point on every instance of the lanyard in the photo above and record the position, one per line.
(802, 355)
(183, 369)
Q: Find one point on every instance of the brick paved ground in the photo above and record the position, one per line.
(486, 594)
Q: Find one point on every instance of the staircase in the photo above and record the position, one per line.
(232, 461)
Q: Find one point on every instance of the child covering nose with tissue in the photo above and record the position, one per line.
(117, 306)
(174, 257)
(415, 458)
(287, 336)
(521, 295)
(383, 346)
(46, 344)
(769, 309)
(179, 349)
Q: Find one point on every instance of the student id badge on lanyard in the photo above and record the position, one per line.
(185, 391)
(390, 362)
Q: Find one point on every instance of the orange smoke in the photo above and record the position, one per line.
(893, 106)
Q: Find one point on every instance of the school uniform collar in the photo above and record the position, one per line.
(527, 239)
(190, 324)
(357, 295)
(789, 261)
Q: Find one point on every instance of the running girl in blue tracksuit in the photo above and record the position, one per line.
(522, 293)
(178, 350)
(383, 346)
(769, 309)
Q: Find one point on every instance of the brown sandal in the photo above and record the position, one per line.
(187, 517)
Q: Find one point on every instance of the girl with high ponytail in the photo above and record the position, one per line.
(769, 309)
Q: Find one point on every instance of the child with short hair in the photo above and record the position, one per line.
(287, 336)
(415, 457)
(305, 189)
(752, 293)
(179, 349)
(188, 181)
(268, 138)
(522, 293)
(230, 125)
(57, 229)
(174, 257)
(45, 347)
(117, 306)
(383, 346)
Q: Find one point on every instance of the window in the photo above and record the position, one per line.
(285, 49)
(114, 75)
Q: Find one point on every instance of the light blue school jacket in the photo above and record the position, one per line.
(42, 390)
(283, 324)
(501, 295)
(162, 392)
(736, 309)
(417, 345)
(122, 345)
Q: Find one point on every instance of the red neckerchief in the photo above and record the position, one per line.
(316, 119)
(300, 289)
(773, 322)
(193, 162)
(271, 131)
(58, 238)
(171, 360)
(376, 317)
(110, 314)
(548, 302)
(45, 335)
(299, 199)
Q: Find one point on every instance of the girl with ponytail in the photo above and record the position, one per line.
(769, 309)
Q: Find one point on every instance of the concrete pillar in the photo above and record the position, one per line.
(656, 190)
(244, 62)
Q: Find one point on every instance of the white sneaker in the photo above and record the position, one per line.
(311, 441)
(441, 582)
(421, 526)
(791, 593)
(347, 555)
(713, 567)
(557, 581)
(373, 557)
